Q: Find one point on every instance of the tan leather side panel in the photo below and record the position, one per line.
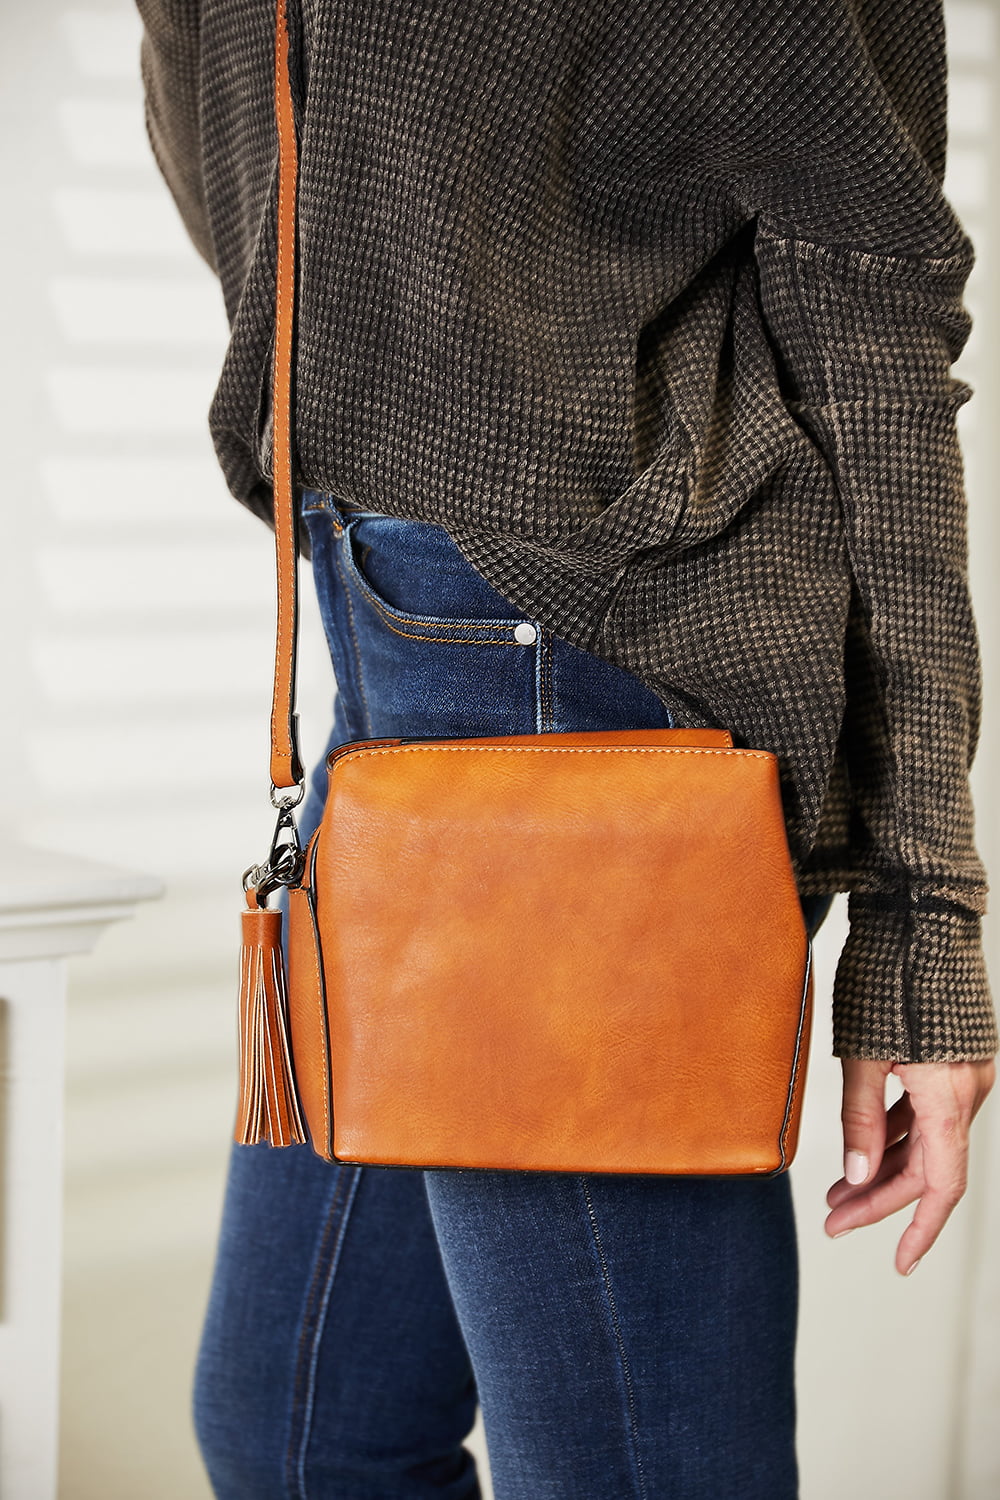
(307, 1020)
(790, 1135)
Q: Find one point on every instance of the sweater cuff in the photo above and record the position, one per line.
(911, 984)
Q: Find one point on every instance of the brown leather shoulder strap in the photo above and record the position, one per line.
(286, 767)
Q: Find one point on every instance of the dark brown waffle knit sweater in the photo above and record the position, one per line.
(653, 307)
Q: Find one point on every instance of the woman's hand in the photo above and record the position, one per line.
(915, 1152)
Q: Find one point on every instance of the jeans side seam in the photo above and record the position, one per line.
(300, 1397)
(626, 1372)
(357, 645)
(546, 708)
(313, 1324)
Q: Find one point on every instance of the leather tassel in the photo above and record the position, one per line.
(268, 1107)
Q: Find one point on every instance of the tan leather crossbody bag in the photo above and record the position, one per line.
(563, 952)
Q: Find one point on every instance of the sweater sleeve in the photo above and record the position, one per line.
(170, 58)
(874, 391)
(862, 266)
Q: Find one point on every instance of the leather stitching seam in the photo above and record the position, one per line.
(555, 750)
(282, 733)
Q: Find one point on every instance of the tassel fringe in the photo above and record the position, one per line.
(268, 1107)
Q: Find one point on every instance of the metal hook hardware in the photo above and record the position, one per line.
(284, 862)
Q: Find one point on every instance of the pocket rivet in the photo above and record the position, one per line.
(525, 635)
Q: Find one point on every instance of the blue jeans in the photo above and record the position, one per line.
(625, 1336)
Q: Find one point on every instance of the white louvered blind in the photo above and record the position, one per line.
(137, 615)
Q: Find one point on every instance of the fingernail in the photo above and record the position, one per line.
(855, 1167)
(840, 1236)
(912, 1268)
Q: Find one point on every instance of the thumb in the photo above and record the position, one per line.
(863, 1117)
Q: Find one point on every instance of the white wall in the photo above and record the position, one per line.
(135, 614)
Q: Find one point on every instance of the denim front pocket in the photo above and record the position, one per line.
(431, 648)
(423, 645)
(414, 577)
